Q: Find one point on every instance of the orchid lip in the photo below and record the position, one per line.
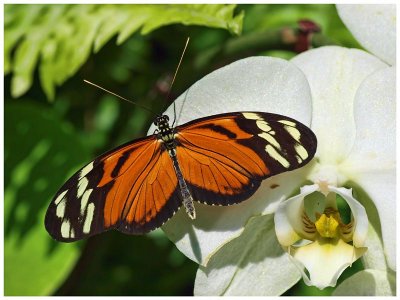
(323, 247)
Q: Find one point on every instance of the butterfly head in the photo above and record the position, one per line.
(162, 122)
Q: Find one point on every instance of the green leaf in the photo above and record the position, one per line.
(60, 38)
(15, 14)
(40, 152)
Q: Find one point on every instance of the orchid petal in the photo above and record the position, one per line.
(359, 214)
(214, 226)
(252, 264)
(371, 163)
(334, 74)
(288, 217)
(374, 26)
(325, 261)
(368, 283)
(252, 84)
(374, 257)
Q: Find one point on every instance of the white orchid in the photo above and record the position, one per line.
(374, 26)
(258, 247)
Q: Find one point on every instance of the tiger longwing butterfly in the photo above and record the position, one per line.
(216, 160)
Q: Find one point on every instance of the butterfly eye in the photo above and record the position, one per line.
(158, 120)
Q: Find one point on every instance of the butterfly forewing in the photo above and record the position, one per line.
(132, 188)
(224, 158)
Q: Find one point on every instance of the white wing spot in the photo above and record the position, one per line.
(301, 151)
(89, 218)
(294, 132)
(85, 170)
(85, 200)
(275, 155)
(82, 185)
(58, 199)
(287, 122)
(270, 139)
(251, 116)
(263, 125)
(65, 227)
(61, 209)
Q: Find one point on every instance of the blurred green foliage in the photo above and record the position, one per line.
(33, 263)
(60, 37)
(128, 49)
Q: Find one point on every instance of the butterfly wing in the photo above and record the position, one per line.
(132, 188)
(225, 157)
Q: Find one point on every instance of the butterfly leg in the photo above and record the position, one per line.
(187, 198)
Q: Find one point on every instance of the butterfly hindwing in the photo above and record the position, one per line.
(153, 195)
(132, 188)
(225, 157)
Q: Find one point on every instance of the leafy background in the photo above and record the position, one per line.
(54, 123)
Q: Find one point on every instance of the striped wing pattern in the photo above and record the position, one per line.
(134, 188)
(234, 152)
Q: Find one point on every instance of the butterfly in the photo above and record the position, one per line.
(217, 160)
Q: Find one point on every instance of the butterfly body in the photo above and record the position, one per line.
(216, 160)
(164, 132)
(165, 135)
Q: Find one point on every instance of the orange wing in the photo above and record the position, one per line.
(132, 188)
(224, 158)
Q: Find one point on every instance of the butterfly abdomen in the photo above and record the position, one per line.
(187, 199)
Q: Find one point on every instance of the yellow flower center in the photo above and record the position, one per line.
(328, 226)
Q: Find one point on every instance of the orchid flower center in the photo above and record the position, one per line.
(327, 225)
(316, 237)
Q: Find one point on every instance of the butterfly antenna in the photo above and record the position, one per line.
(116, 95)
(173, 79)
